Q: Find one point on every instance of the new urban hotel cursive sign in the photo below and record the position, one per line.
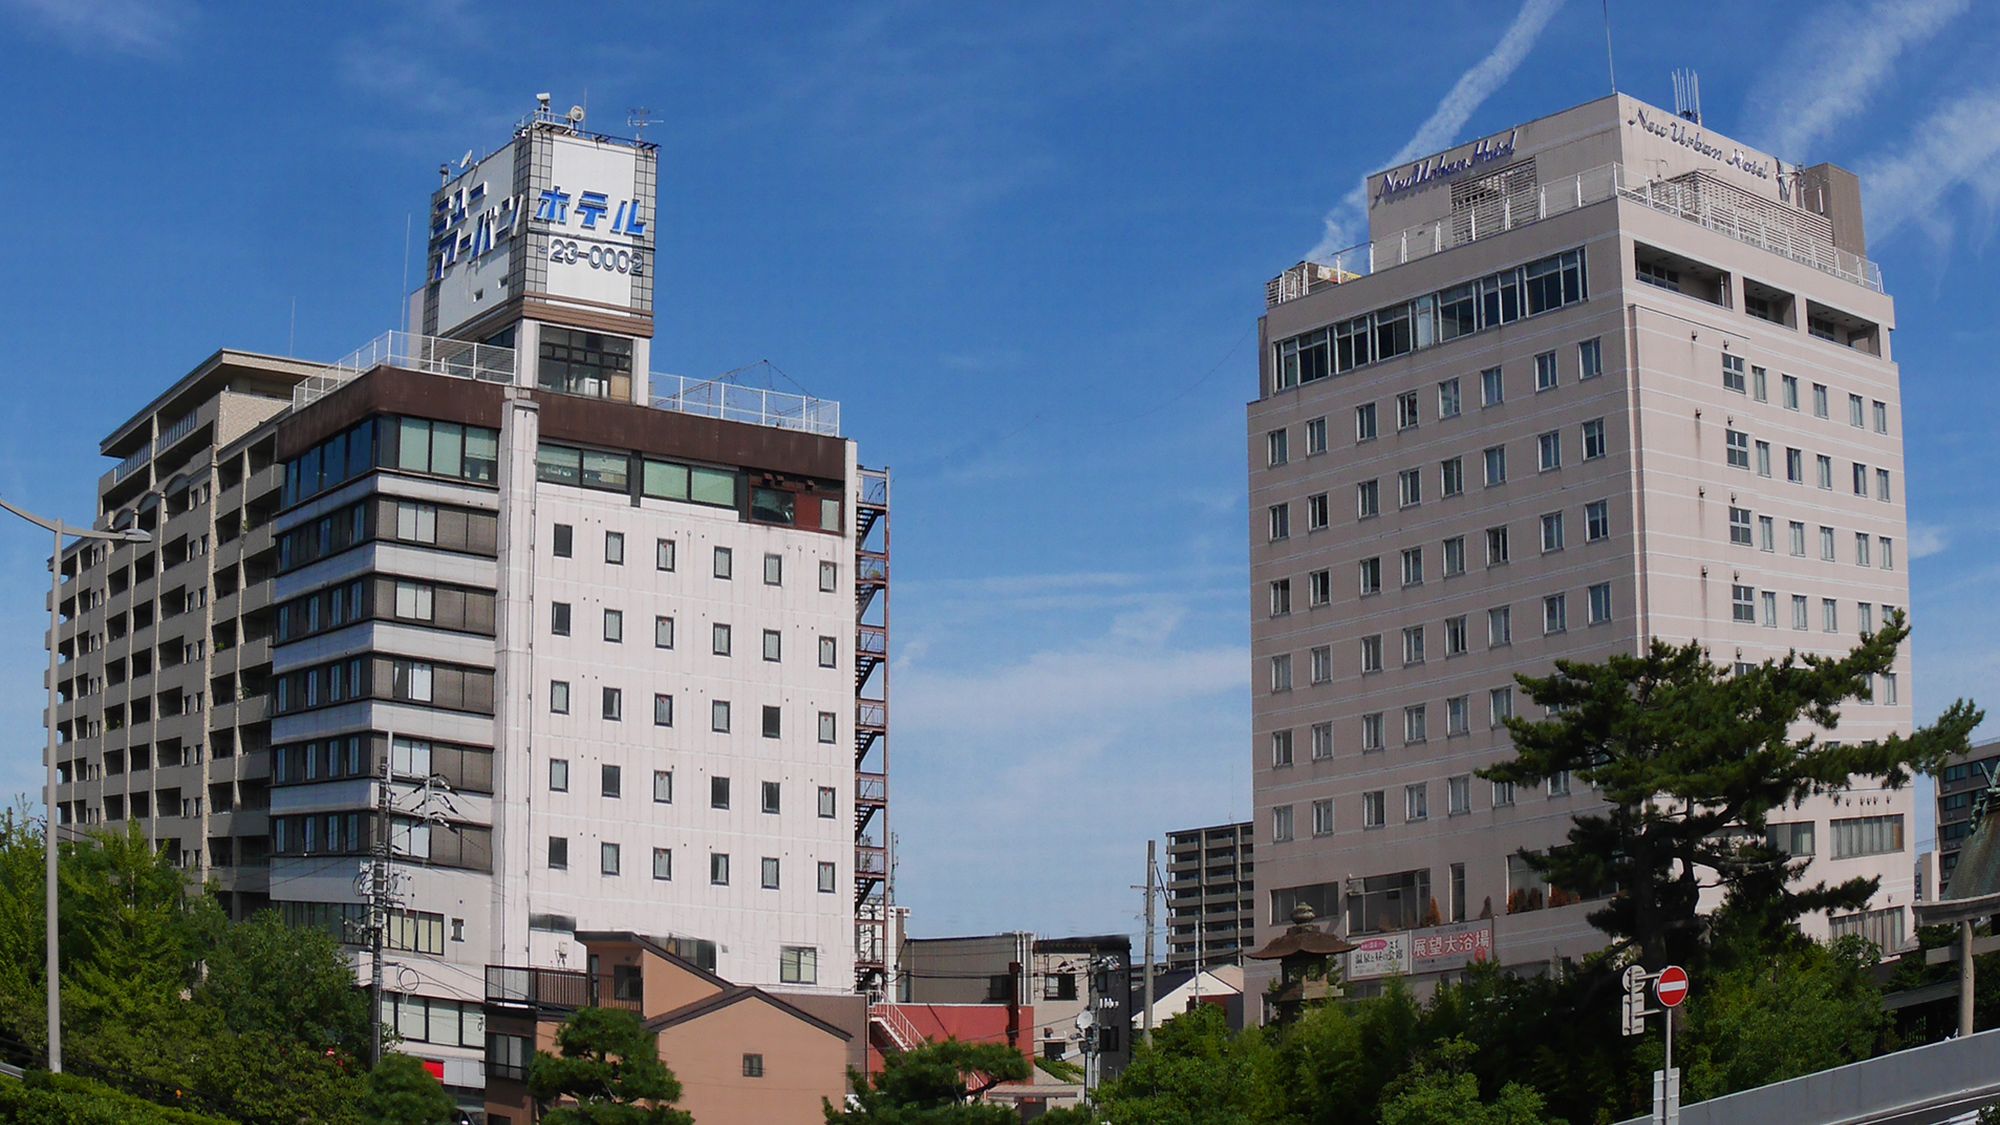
(1398, 181)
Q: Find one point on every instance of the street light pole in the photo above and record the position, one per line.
(53, 966)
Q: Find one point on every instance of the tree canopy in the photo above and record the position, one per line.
(607, 1070)
(930, 1085)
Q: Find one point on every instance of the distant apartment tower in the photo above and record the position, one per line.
(1603, 377)
(1211, 904)
(614, 642)
(1958, 788)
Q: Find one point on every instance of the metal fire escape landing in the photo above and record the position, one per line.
(871, 730)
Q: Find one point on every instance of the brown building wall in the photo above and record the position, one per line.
(803, 1064)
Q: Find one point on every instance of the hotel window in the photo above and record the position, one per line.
(1456, 636)
(1738, 452)
(1888, 553)
(1862, 542)
(1881, 484)
(1374, 813)
(1867, 835)
(559, 619)
(610, 782)
(1825, 472)
(1491, 391)
(663, 787)
(558, 853)
(768, 873)
(1410, 488)
(1790, 384)
(718, 793)
(663, 554)
(1593, 439)
(1281, 597)
(773, 720)
(614, 626)
(1451, 476)
(1316, 436)
(1763, 458)
(718, 716)
(773, 646)
(663, 710)
(1281, 823)
(1743, 604)
(1795, 465)
(1819, 400)
(1367, 499)
(1829, 612)
(612, 704)
(1739, 526)
(1371, 653)
(1322, 663)
(1316, 511)
(1496, 465)
(1499, 626)
(584, 363)
(1413, 566)
(1370, 575)
(1319, 587)
(828, 879)
(1799, 612)
(829, 577)
(1457, 715)
(1555, 614)
(1322, 741)
(1413, 644)
(1322, 813)
(1406, 410)
(774, 570)
(1767, 534)
(1549, 450)
(719, 639)
(1281, 673)
(559, 697)
(1280, 518)
(718, 868)
(1503, 794)
(1888, 696)
(1499, 706)
(1371, 731)
(1866, 612)
(607, 859)
(1281, 748)
(1860, 479)
(663, 864)
(413, 601)
(725, 563)
(1448, 399)
(1857, 415)
(1797, 532)
(1545, 371)
(1552, 532)
(1597, 520)
(614, 548)
(827, 801)
(1732, 374)
(1364, 422)
(1277, 450)
(1416, 802)
(663, 632)
(1769, 601)
(1589, 359)
(827, 728)
(1559, 783)
(1760, 385)
(1458, 795)
(1826, 544)
(1600, 603)
(1454, 555)
(1881, 417)
(561, 546)
(1795, 839)
(558, 774)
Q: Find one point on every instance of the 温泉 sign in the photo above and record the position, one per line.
(1433, 949)
(1379, 956)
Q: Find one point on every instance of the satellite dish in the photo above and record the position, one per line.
(1086, 1018)
(466, 159)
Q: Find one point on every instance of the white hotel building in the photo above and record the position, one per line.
(1601, 378)
(617, 639)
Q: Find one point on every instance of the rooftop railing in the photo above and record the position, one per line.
(1683, 199)
(715, 398)
(436, 355)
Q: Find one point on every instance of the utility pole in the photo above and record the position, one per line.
(1151, 851)
(378, 909)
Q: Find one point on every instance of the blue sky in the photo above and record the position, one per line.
(1025, 246)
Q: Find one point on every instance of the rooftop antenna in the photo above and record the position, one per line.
(1610, 64)
(637, 119)
(1687, 95)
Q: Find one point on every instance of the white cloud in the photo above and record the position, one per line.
(1959, 142)
(1342, 225)
(123, 27)
(1829, 73)
(1927, 539)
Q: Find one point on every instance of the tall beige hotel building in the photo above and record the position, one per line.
(1603, 377)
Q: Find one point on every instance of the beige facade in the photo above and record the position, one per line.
(1641, 391)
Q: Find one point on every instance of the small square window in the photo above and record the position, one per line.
(663, 554)
(724, 563)
(774, 570)
(614, 548)
(828, 727)
(562, 545)
(753, 1066)
(829, 577)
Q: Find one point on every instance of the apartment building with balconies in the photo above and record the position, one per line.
(1211, 897)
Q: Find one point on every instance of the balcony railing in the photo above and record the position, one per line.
(1682, 199)
(435, 355)
(552, 988)
(716, 398)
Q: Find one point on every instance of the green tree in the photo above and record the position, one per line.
(1339, 1056)
(1804, 1010)
(1693, 760)
(1441, 1091)
(41, 1098)
(263, 975)
(1195, 1072)
(609, 1067)
(930, 1085)
(401, 1092)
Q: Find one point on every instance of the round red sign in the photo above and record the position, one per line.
(1672, 987)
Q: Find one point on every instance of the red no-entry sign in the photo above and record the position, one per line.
(1672, 987)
